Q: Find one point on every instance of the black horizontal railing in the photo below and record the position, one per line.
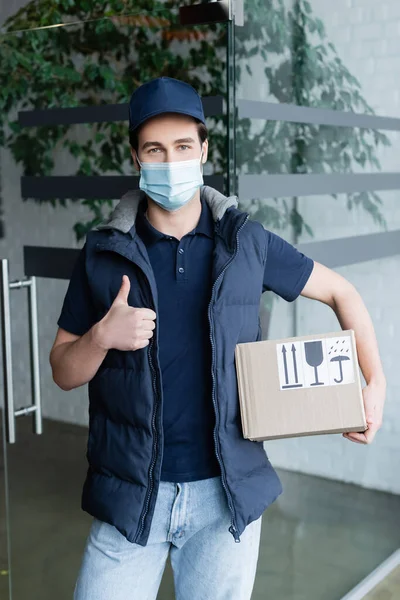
(98, 113)
(58, 263)
(292, 113)
(100, 187)
(275, 186)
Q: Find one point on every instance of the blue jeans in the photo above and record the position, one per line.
(191, 521)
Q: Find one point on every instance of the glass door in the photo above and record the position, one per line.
(66, 81)
(316, 163)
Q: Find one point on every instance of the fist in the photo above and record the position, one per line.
(125, 327)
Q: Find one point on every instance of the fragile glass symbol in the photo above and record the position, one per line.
(314, 357)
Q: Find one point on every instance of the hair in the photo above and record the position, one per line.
(202, 132)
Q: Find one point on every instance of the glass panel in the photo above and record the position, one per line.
(316, 54)
(4, 551)
(96, 62)
(348, 215)
(334, 56)
(327, 217)
(274, 147)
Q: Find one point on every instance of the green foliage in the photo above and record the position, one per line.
(109, 48)
(303, 68)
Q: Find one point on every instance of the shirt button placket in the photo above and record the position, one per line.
(181, 269)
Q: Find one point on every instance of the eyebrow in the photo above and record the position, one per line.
(187, 140)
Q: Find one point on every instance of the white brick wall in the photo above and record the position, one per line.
(367, 39)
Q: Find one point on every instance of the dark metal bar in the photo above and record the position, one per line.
(58, 263)
(231, 111)
(44, 261)
(207, 12)
(213, 106)
(107, 187)
(316, 116)
(275, 186)
(101, 113)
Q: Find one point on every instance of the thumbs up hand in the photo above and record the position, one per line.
(122, 296)
(125, 327)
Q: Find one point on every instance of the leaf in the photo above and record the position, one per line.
(309, 230)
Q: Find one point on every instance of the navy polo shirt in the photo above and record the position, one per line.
(183, 276)
(182, 270)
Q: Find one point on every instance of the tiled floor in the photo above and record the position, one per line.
(318, 540)
(388, 589)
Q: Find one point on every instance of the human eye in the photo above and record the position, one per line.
(183, 146)
(151, 150)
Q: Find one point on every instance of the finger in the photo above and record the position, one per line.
(148, 325)
(146, 334)
(370, 434)
(122, 296)
(147, 314)
(356, 437)
(356, 441)
(143, 344)
(362, 438)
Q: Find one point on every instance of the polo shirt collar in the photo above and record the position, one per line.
(151, 235)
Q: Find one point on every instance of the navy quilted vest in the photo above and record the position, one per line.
(125, 396)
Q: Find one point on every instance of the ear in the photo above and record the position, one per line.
(205, 152)
(134, 157)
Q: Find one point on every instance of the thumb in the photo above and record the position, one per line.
(122, 296)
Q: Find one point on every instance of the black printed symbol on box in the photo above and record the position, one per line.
(339, 359)
(296, 384)
(314, 357)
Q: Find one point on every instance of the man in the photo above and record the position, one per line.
(159, 298)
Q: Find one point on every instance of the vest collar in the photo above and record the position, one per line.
(123, 216)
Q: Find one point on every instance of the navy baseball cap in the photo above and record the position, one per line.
(162, 95)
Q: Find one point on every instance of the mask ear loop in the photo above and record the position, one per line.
(201, 161)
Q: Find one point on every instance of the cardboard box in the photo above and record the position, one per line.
(299, 386)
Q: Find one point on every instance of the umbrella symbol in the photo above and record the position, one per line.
(339, 359)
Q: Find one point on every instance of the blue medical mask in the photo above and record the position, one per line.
(171, 184)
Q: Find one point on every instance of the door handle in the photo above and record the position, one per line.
(35, 407)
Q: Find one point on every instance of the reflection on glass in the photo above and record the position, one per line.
(285, 54)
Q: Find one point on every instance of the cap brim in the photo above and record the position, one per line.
(163, 111)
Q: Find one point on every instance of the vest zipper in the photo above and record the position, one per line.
(153, 422)
(154, 457)
(233, 527)
(154, 379)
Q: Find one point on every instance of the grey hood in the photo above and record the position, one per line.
(124, 214)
